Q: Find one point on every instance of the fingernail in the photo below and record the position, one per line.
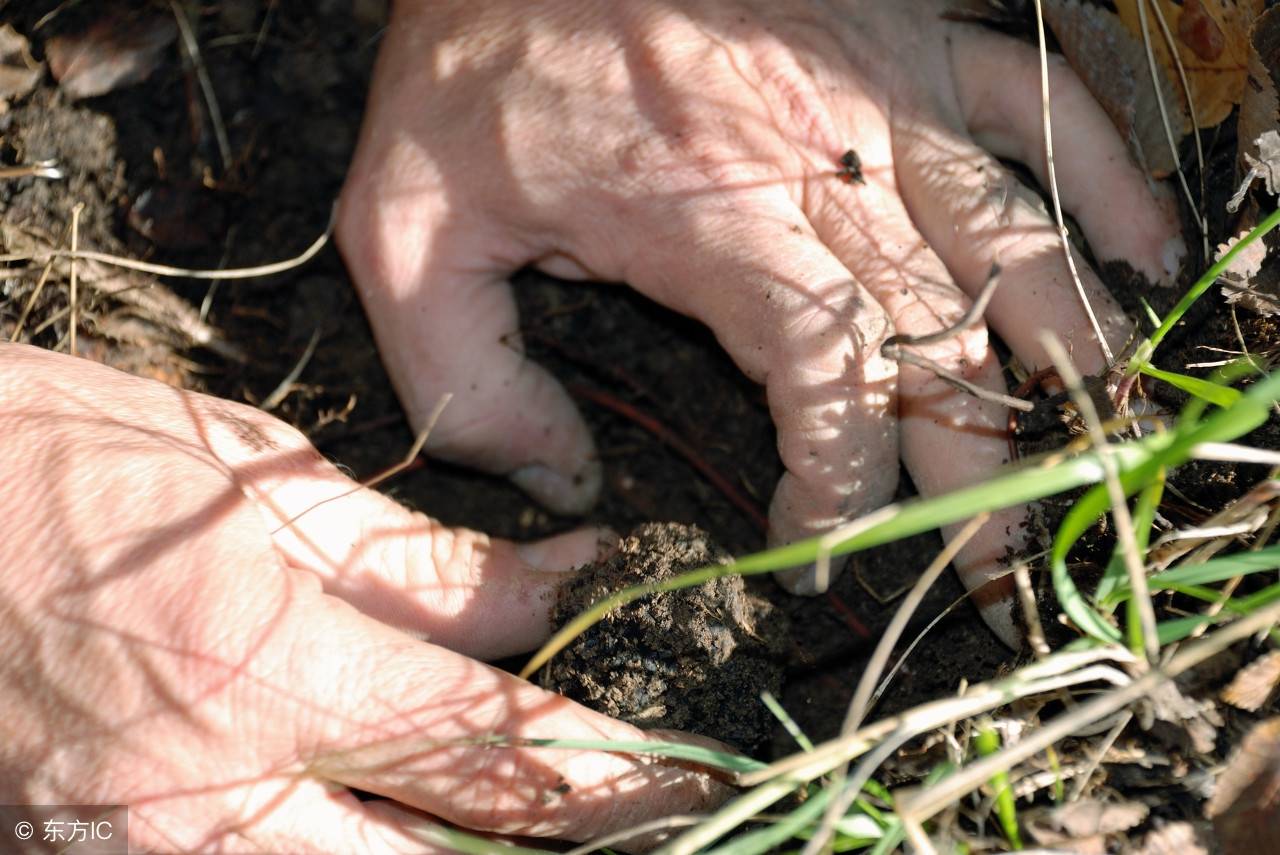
(802, 581)
(999, 617)
(564, 495)
(568, 551)
(534, 553)
(1175, 249)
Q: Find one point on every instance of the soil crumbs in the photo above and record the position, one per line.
(694, 659)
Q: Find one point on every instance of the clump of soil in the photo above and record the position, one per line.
(696, 659)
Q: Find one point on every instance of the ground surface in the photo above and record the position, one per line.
(144, 162)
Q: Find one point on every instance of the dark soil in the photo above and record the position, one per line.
(694, 659)
(291, 79)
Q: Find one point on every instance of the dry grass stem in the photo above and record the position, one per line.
(192, 50)
(923, 804)
(1141, 599)
(286, 385)
(75, 294)
(1097, 754)
(860, 704)
(1053, 186)
(1030, 613)
(1172, 46)
(185, 272)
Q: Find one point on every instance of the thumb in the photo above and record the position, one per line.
(461, 589)
(446, 323)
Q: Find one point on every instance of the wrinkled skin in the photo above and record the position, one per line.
(690, 150)
(169, 641)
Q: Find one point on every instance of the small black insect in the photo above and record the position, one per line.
(850, 171)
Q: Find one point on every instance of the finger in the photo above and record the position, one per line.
(950, 438)
(482, 596)
(426, 727)
(974, 214)
(445, 318)
(1124, 215)
(308, 815)
(794, 318)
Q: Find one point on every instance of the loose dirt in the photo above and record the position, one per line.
(693, 659)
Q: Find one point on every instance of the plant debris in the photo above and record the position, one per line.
(1212, 39)
(116, 51)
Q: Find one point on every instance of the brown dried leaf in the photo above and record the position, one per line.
(1113, 65)
(1255, 683)
(110, 54)
(1194, 722)
(1248, 281)
(1266, 164)
(1259, 118)
(1176, 838)
(1245, 807)
(1083, 824)
(19, 72)
(1212, 39)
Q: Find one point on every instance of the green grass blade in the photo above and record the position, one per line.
(1023, 484)
(1115, 581)
(987, 742)
(784, 718)
(1219, 569)
(1148, 347)
(774, 835)
(1207, 390)
(673, 750)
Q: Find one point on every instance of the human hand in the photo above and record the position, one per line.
(690, 149)
(189, 628)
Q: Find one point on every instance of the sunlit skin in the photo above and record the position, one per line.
(169, 643)
(202, 618)
(693, 150)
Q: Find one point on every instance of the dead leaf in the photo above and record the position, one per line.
(1260, 107)
(1212, 39)
(110, 54)
(1194, 722)
(1254, 683)
(1083, 825)
(1176, 838)
(19, 72)
(1111, 62)
(1245, 807)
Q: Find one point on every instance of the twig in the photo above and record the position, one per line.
(892, 349)
(1119, 503)
(75, 294)
(192, 49)
(281, 391)
(956, 380)
(1053, 185)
